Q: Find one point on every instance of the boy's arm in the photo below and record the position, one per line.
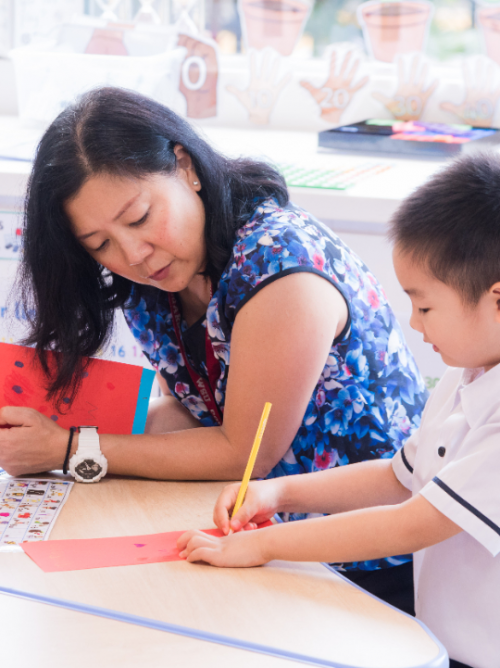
(337, 490)
(369, 533)
(363, 485)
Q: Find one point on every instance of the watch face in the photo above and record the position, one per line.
(88, 469)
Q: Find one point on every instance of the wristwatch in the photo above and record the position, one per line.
(88, 464)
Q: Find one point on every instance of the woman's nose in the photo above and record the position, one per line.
(136, 252)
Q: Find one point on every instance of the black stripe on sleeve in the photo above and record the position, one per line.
(467, 505)
(405, 461)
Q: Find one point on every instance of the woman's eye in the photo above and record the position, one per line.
(141, 221)
(101, 247)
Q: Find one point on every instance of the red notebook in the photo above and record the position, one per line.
(112, 395)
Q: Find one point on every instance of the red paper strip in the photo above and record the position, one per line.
(83, 553)
(107, 397)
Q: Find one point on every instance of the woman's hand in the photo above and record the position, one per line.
(239, 550)
(262, 501)
(33, 443)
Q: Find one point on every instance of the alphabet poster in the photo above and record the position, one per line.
(112, 395)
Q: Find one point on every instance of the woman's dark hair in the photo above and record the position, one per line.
(70, 298)
(451, 225)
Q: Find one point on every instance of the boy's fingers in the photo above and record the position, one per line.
(244, 515)
(198, 542)
(236, 525)
(223, 506)
(221, 517)
(183, 540)
(205, 554)
(250, 526)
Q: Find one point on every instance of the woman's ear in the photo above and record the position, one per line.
(495, 293)
(185, 163)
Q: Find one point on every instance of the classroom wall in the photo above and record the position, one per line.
(8, 96)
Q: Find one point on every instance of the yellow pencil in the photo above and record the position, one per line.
(251, 460)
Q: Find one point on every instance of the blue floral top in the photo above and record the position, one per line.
(370, 394)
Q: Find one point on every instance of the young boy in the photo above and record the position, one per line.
(439, 497)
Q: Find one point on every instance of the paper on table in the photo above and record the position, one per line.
(83, 553)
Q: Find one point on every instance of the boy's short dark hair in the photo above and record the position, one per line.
(451, 225)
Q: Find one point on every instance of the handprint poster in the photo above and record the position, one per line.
(199, 75)
(336, 93)
(479, 100)
(265, 86)
(413, 89)
(112, 395)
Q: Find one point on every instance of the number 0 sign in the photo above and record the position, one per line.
(199, 75)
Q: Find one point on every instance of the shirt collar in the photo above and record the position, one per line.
(479, 394)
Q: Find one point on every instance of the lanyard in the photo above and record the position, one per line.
(205, 387)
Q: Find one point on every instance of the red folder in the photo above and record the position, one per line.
(112, 395)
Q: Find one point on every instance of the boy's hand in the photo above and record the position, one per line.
(260, 504)
(241, 550)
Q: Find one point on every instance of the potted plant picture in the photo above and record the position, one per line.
(392, 27)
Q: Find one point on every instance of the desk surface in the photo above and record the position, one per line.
(370, 203)
(301, 608)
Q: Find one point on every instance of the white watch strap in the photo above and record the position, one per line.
(88, 441)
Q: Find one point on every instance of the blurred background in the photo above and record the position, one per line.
(452, 31)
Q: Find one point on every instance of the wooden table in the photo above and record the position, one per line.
(299, 608)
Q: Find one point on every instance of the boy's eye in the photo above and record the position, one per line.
(423, 310)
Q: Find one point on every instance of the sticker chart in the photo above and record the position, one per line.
(29, 509)
(342, 178)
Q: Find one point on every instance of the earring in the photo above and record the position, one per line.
(195, 183)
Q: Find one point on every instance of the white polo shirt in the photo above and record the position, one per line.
(453, 460)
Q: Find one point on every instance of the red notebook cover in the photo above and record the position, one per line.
(112, 395)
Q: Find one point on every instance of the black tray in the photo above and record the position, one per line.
(395, 137)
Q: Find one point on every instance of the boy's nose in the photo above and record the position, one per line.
(415, 323)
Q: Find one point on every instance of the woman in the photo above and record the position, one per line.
(129, 208)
